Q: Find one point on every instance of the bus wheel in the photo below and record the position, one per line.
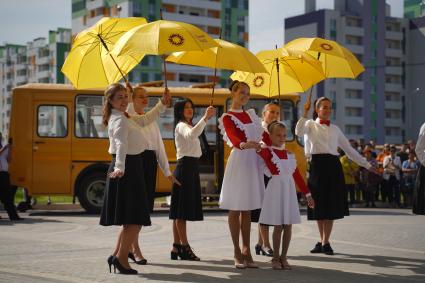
(92, 192)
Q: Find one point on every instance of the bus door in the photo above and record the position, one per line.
(51, 148)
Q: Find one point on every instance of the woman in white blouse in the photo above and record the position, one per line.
(326, 178)
(186, 202)
(124, 201)
(419, 192)
(152, 155)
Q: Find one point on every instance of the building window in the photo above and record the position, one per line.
(392, 96)
(191, 78)
(353, 94)
(353, 39)
(353, 129)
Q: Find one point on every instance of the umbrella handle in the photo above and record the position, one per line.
(112, 57)
(215, 72)
(165, 72)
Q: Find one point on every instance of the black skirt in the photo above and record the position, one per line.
(186, 202)
(125, 200)
(327, 187)
(419, 192)
(150, 166)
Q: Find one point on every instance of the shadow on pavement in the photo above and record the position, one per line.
(415, 265)
(266, 274)
(27, 220)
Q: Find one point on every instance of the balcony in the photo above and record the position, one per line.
(196, 4)
(394, 70)
(194, 20)
(353, 102)
(353, 84)
(358, 31)
(94, 4)
(393, 52)
(393, 105)
(393, 122)
(357, 49)
(175, 68)
(393, 87)
(396, 35)
(353, 120)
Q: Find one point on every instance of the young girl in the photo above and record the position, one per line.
(271, 113)
(152, 155)
(243, 184)
(186, 202)
(326, 178)
(125, 196)
(280, 203)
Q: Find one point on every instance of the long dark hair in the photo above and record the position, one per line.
(110, 92)
(179, 109)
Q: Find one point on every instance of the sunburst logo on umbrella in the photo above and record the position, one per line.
(258, 81)
(326, 46)
(176, 39)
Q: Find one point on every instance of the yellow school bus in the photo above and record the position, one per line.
(60, 145)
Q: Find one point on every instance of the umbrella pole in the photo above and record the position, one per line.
(112, 57)
(215, 72)
(278, 79)
(311, 89)
(163, 58)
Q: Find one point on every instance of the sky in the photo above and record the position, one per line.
(25, 20)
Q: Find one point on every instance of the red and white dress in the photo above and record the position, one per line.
(243, 182)
(280, 203)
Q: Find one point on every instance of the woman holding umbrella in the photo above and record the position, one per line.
(326, 178)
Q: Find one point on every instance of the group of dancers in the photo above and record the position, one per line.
(260, 174)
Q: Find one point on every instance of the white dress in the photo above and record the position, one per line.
(243, 182)
(280, 203)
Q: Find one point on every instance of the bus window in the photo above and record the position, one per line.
(166, 120)
(88, 117)
(287, 110)
(52, 121)
(210, 128)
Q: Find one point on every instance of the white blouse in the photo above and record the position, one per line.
(323, 139)
(125, 135)
(187, 139)
(420, 146)
(151, 139)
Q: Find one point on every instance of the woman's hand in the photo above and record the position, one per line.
(166, 97)
(209, 113)
(117, 173)
(173, 180)
(310, 201)
(252, 144)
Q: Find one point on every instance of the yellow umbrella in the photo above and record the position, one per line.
(227, 56)
(163, 37)
(289, 72)
(89, 63)
(337, 61)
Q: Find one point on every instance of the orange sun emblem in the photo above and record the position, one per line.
(176, 39)
(326, 46)
(258, 81)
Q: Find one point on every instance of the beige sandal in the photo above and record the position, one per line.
(285, 264)
(276, 264)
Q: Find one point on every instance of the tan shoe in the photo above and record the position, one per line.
(276, 264)
(285, 264)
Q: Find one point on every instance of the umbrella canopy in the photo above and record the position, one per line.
(90, 64)
(163, 37)
(289, 72)
(337, 61)
(227, 56)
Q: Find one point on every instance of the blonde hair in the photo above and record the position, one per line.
(138, 87)
(109, 94)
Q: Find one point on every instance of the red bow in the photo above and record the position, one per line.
(326, 122)
(126, 114)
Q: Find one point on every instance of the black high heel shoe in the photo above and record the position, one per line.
(188, 254)
(267, 251)
(176, 255)
(143, 261)
(257, 249)
(110, 263)
(122, 269)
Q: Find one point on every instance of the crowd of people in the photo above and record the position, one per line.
(393, 186)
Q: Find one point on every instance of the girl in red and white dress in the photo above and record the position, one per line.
(280, 204)
(243, 183)
(271, 113)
